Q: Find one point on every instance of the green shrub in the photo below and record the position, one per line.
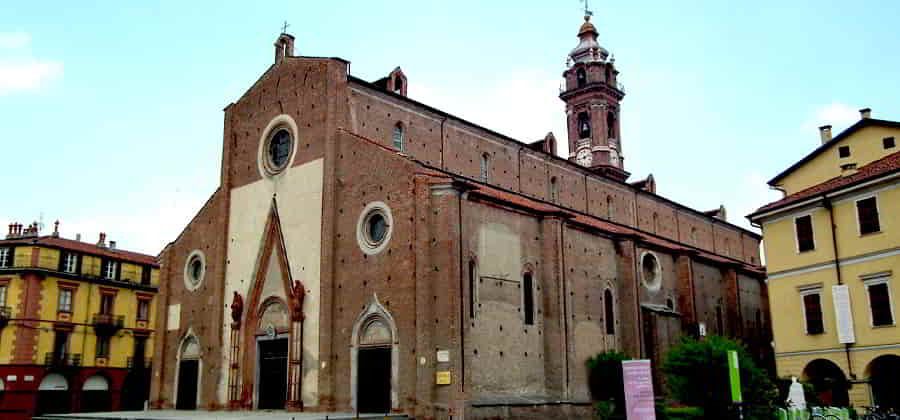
(697, 375)
(605, 380)
(684, 413)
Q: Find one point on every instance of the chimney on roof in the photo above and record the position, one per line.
(31, 230)
(865, 113)
(825, 133)
(102, 242)
(284, 47)
(9, 233)
(78, 237)
(112, 245)
(56, 229)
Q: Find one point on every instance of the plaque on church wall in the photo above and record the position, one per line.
(843, 316)
(443, 356)
(442, 377)
(174, 317)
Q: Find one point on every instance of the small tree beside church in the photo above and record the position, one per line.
(697, 375)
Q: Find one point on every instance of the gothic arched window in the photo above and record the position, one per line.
(580, 77)
(485, 166)
(528, 298)
(609, 312)
(554, 189)
(584, 125)
(398, 136)
(472, 285)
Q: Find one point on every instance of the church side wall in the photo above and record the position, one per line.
(367, 173)
(182, 311)
(457, 147)
(504, 356)
(591, 269)
(709, 287)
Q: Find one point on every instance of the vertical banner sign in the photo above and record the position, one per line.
(638, 382)
(841, 296)
(734, 374)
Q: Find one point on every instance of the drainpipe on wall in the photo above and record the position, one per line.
(826, 202)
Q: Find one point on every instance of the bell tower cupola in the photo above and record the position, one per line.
(592, 95)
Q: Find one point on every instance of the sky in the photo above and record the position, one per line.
(111, 112)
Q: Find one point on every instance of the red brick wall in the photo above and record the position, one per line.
(456, 147)
(201, 309)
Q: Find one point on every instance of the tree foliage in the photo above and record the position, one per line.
(697, 375)
(605, 383)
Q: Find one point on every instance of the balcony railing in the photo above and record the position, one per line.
(138, 363)
(108, 324)
(5, 315)
(62, 359)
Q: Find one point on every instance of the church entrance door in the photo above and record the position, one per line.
(374, 380)
(187, 385)
(273, 372)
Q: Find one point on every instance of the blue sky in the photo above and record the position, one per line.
(111, 112)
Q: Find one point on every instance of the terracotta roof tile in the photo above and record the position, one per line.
(883, 166)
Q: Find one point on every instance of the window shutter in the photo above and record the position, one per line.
(804, 233)
(813, 309)
(867, 212)
(62, 261)
(881, 306)
(78, 264)
(118, 271)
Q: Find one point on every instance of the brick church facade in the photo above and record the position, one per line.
(366, 251)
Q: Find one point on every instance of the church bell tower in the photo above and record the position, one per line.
(592, 97)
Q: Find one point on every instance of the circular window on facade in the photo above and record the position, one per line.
(278, 149)
(194, 270)
(373, 230)
(651, 274)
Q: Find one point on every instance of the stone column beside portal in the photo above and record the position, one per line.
(295, 351)
(234, 377)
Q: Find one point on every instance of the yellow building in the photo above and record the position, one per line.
(76, 321)
(832, 247)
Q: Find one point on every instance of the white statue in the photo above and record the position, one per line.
(796, 398)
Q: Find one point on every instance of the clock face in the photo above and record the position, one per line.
(583, 157)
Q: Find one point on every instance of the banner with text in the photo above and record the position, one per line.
(843, 314)
(638, 381)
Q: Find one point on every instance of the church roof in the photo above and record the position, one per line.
(560, 160)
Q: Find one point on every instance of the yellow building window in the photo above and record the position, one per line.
(804, 230)
(880, 301)
(103, 346)
(143, 310)
(6, 257)
(812, 310)
(867, 215)
(65, 301)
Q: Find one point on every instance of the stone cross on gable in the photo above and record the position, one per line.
(284, 27)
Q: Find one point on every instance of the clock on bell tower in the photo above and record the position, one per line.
(592, 95)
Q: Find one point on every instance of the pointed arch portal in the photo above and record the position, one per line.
(374, 357)
(269, 361)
